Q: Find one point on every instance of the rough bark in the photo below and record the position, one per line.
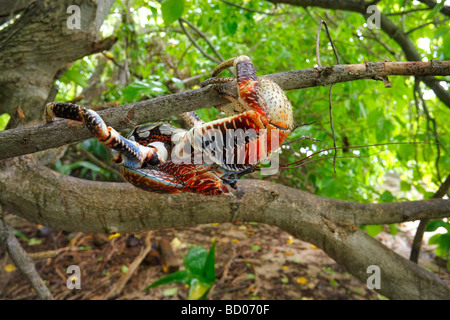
(23, 261)
(43, 196)
(35, 50)
(395, 33)
(26, 140)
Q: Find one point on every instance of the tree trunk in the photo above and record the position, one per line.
(38, 48)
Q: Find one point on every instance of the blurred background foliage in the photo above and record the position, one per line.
(154, 56)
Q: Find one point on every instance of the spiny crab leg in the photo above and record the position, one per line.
(250, 91)
(192, 119)
(127, 152)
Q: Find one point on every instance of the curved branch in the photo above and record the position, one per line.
(41, 195)
(31, 139)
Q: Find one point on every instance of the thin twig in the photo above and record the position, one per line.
(332, 128)
(353, 147)
(117, 289)
(201, 34)
(251, 10)
(99, 163)
(188, 34)
(23, 262)
(331, 86)
(417, 242)
(433, 121)
(426, 24)
(407, 11)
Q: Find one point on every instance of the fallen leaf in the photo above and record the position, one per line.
(10, 268)
(114, 235)
(302, 280)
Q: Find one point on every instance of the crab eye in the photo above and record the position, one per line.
(154, 160)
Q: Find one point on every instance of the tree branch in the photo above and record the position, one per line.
(23, 262)
(43, 196)
(15, 142)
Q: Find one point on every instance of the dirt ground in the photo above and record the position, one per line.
(253, 261)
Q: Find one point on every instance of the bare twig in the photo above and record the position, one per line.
(188, 34)
(331, 86)
(118, 287)
(426, 24)
(23, 262)
(407, 11)
(417, 242)
(99, 162)
(250, 9)
(332, 128)
(433, 121)
(202, 35)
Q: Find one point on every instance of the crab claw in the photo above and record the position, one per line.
(125, 152)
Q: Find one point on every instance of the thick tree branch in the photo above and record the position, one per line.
(26, 140)
(41, 195)
(387, 26)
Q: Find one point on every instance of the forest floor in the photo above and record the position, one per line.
(253, 261)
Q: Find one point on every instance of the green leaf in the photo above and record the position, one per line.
(405, 186)
(434, 224)
(172, 10)
(209, 268)
(198, 289)
(435, 239)
(75, 76)
(435, 10)
(124, 269)
(373, 230)
(170, 292)
(34, 241)
(178, 276)
(386, 196)
(393, 229)
(195, 260)
(4, 119)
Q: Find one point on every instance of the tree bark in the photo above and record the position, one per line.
(43, 196)
(38, 48)
(31, 139)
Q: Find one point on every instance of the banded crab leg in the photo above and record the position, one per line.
(126, 152)
(250, 91)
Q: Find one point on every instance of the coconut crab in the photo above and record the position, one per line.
(165, 159)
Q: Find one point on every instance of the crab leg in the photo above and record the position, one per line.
(250, 91)
(192, 119)
(127, 152)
